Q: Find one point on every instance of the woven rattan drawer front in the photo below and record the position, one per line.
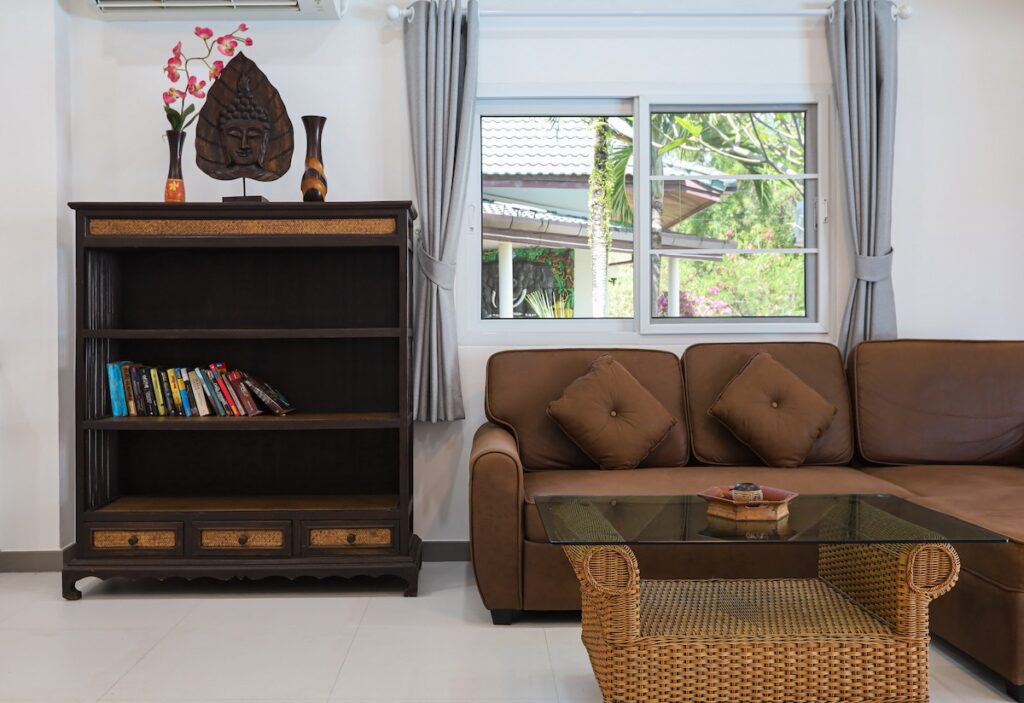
(268, 538)
(118, 539)
(325, 538)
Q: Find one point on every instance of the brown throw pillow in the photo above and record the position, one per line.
(768, 408)
(610, 416)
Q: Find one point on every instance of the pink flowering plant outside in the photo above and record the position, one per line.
(176, 104)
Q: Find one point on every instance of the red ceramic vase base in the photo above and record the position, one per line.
(174, 191)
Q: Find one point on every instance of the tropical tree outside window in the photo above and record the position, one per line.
(732, 230)
(732, 235)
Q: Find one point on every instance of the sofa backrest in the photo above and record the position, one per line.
(707, 368)
(939, 402)
(521, 383)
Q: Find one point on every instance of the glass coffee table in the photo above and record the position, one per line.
(857, 632)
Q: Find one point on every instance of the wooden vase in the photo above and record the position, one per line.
(314, 182)
(174, 187)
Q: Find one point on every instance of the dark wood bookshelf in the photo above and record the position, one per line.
(268, 333)
(313, 298)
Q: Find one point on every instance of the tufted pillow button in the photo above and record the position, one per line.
(614, 414)
(775, 403)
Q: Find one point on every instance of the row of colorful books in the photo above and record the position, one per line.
(149, 391)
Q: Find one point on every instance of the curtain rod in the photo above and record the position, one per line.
(903, 12)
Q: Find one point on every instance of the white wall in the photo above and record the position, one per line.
(957, 251)
(30, 187)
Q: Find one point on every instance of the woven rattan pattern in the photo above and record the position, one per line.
(241, 539)
(751, 608)
(339, 537)
(213, 227)
(659, 643)
(143, 539)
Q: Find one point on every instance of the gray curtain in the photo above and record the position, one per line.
(441, 47)
(862, 50)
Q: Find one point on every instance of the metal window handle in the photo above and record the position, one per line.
(242, 539)
(133, 540)
(351, 538)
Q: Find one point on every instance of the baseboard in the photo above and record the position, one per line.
(446, 551)
(11, 562)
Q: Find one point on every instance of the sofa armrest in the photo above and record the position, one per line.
(894, 582)
(496, 497)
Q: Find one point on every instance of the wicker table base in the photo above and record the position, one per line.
(859, 632)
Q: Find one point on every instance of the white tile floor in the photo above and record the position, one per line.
(310, 641)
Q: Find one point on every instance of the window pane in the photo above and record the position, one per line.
(685, 143)
(732, 285)
(557, 233)
(730, 214)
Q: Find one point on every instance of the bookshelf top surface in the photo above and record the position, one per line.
(246, 209)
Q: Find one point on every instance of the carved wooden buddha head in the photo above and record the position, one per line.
(243, 130)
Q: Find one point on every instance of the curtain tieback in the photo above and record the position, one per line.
(437, 272)
(873, 268)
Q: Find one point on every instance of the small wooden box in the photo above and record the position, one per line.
(775, 505)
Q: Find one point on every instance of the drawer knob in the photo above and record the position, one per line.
(351, 538)
(242, 539)
(133, 540)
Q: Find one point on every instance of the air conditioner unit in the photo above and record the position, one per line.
(221, 9)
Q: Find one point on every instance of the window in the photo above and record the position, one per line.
(732, 236)
(728, 237)
(557, 230)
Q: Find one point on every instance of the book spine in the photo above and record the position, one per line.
(129, 393)
(146, 382)
(243, 394)
(169, 394)
(211, 394)
(140, 399)
(181, 392)
(187, 399)
(271, 404)
(222, 402)
(158, 395)
(172, 386)
(229, 396)
(270, 391)
(198, 393)
(117, 401)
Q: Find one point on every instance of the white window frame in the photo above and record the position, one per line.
(642, 328)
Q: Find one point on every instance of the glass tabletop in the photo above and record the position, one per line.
(812, 519)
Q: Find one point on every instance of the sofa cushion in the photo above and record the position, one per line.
(689, 481)
(708, 367)
(610, 416)
(768, 408)
(521, 383)
(939, 402)
(988, 496)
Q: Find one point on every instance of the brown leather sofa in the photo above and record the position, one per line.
(941, 423)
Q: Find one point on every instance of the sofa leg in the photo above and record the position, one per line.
(1015, 691)
(504, 617)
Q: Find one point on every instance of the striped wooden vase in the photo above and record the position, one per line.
(314, 183)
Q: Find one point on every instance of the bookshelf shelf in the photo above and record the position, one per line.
(314, 299)
(250, 503)
(246, 333)
(293, 421)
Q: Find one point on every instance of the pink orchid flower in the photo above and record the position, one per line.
(176, 51)
(195, 87)
(247, 41)
(204, 33)
(226, 45)
(215, 70)
(242, 27)
(171, 69)
(173, 95)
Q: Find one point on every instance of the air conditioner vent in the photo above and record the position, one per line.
(218, 9)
